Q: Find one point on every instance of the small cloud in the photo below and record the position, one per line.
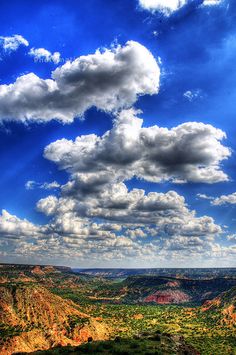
(204, 197)
(211, 2)
(225, 200)
(192, 95)
(155, 33)
(231, 238)
(43, 55)
(30, 185)
(12, 43)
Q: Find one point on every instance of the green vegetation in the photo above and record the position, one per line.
(145, 344)
(202, 329)
(7, 331)
(122, 306)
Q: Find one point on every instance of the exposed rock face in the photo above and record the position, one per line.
(24, 305)
(164, 290)
(168, 297)
(211, 304)
(173, 284)
(225, 303)
(37, 270)
(42, 320)
(229, 315)
(138, 316)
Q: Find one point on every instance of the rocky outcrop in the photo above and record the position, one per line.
(168, 297)
(225, 303)
(32, 318)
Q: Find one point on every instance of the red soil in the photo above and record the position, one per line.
(168, 297)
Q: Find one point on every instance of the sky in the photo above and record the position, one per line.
(117, 133)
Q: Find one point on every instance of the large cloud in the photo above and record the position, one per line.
(189, 152)
(96, 217)
(139, 215)
(66, 237)
(69, 237)
(116, 203)
(110, 80)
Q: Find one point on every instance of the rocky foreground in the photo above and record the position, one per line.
(33, 318)
(142, 344)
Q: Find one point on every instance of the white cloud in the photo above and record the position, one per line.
(109, 80)
(231, 238)
(164, 6)
(67, 238)
(133, 224)
(14, 227)
(192, 95)
(189, 152)
(167, 7)
(212, 2)
(30, 185)
(43, 55)
(225, 199)
(204, 197)
(139, 215)
(12, 43)
(48, 205)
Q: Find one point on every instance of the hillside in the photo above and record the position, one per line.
(194, 273)
(225, 305)
(32, 318)
(163, 290)
(47, 307)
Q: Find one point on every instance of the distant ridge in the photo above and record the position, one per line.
(170, 272)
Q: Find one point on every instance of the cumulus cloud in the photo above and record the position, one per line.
(66, 236)
(110, 79)
(225, 200)
(12, 43)
(96, 216)
(132, 223)
(51, 205)
(140, 215)
(167, 7)
(189, 152)
(116, 203)
(14, 227)
(30, 185)
(164, 6)
(43, 55)
(69, 237)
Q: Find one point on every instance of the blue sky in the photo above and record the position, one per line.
(188, 55)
